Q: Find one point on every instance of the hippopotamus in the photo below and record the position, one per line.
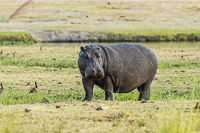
(118, 68)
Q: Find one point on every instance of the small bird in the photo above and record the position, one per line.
(27, 84)
(1, 90)
(34, 90)
(27, 110)
(45, 100)
(197, 106)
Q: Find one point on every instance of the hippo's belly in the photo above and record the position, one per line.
(125, 81)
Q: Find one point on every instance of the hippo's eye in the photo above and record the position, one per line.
(87, 56)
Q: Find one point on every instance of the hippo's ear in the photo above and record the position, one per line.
(82, 49)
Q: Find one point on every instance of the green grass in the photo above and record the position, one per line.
(177, 77)
(35, 62)
(38, 63)
(178, 65)
(16, 37)
(114, 35)
(179, 123)
(18, 96)
(174, 81)
(148, 35)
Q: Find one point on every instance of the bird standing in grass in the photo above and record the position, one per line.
(34, 90)
(28, 84)
(1, 90)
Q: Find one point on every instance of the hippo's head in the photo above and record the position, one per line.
(90, 62)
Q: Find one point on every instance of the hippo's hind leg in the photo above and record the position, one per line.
(144, 90)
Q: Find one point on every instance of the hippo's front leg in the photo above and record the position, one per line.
(88, 86)
(108, 88)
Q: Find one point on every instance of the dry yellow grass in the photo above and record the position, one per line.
(130, 116)
(100, 15)
(178, 54)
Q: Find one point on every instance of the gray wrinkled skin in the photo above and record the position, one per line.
(117, 68)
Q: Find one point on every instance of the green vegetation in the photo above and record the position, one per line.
(38, 63)
(34, 62)
(16, 38)
(13, 96)
(178, 65)
(177, 77)
(113, 35)
(110, 35)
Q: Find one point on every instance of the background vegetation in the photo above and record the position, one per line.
(16, 37)
(138, 21)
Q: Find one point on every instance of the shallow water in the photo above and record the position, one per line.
(150, 45)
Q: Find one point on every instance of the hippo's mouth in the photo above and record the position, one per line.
(93, 75)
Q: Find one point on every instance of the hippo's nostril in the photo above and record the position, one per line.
(99, 70)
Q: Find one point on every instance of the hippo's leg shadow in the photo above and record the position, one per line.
(108, 88)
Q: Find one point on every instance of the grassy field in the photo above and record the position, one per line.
(174, 116)
(77, 15)
(117, 21)
(16, 37)
(57, 107)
